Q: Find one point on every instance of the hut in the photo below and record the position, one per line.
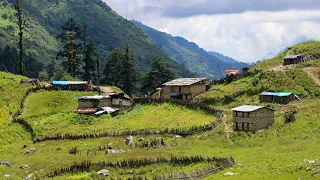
(278, 97)
(71, 85)
(252, 118)
(293, 59)
(107, 103)
(231, 74)
(184, 88)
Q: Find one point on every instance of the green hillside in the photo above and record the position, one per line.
(205, 64)
(282, 151)
(45, 18)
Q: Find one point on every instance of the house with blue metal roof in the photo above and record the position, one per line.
(278, 97)
(71, 85)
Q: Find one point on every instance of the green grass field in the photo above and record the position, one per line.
(53, 114)
(281, 151)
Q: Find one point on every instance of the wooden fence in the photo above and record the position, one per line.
(217, 164)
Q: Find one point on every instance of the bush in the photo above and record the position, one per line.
(62, 76)
(43, 76)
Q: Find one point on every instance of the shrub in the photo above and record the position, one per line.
(43, 76)
(63, 76)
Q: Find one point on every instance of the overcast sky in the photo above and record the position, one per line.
(246, 30)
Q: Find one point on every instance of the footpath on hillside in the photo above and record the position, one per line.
(314, 73)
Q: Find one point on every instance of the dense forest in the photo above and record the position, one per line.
(44, 20)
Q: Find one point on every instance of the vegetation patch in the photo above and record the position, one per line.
(53, 116)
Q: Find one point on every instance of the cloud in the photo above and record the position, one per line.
(248, 35)
(211, 7)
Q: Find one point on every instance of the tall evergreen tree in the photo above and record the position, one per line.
(129, 72)
(112, 68)
(121, 70)
(89, 56)
(70, 38)
(21, 25)
(98, 70)
(157, 75)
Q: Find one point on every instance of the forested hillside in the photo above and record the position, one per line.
(43, 23)
(196, 59)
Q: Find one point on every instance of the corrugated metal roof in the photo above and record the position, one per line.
(293, 56)
(247, 108)
(281, 94)
(60, 82)
(97, 97)
(68, 82)
(184, 81)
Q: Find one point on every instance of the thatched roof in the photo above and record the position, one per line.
(184, 81)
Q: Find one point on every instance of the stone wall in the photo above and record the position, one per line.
(187, 92)
(86, 103)
(253, 121)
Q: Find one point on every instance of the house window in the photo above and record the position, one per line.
(172, 89)
(179, 89)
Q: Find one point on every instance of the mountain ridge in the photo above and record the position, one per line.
(195, 58)
(106, 28)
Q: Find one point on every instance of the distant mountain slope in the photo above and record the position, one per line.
(223, 57)
(106, 27)
(310, 49)
(211, 65)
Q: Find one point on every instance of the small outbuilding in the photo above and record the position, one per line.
(278, 97)
(184, 88)
(252, 118)
(294, 59)
(71, 85)
(99, 104)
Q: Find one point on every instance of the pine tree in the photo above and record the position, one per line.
(21, 24)
(71, 53)
(112, 68)
(89, 55)
(98, 70)
(157, 75)
(89, 62)
(129, 72)
(121, 70)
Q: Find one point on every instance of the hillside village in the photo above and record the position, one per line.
(269, 128)
(100, 96)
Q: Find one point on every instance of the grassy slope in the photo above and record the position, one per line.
(279, 152)
(36, 36)
(53, 113)
(11, 94)
(309, 49)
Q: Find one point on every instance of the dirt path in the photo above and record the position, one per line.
(226, 127)
(314, 73)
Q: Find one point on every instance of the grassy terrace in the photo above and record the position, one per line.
(53, 114)
(309, 49)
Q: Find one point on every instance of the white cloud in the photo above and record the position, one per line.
(246, 36)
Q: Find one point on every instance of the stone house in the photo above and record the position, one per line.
(184, 88)
(294, 59)
(106, 102)
(252, 118)
(278, 97)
